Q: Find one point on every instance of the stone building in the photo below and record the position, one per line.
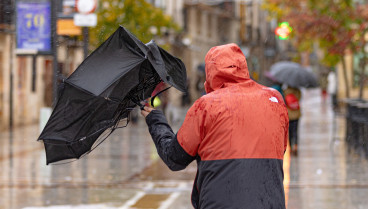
(204, 24)
(26, 79)
(258, 38)
(209, 23)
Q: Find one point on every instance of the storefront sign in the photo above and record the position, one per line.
(66, 27)
(34, 26)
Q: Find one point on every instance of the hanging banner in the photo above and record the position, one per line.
(34, 26)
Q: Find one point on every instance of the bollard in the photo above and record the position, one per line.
(352, 128)
(364, 127)
(359, 119)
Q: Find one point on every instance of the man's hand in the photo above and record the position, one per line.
(146, 111)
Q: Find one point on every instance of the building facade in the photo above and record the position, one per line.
(204, 24)
(209, 23)
(26, 79)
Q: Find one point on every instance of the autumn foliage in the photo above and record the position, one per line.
(138, 16)
(336, 25)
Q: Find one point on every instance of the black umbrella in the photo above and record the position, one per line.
(103, 90)
(293, 74)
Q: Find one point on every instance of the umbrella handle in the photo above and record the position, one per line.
(141, 106)
(139, 103)
(143, 103)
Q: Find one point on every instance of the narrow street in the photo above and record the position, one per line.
(124, 172)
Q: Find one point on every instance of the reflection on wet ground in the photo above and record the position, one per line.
(325, 174)
(25, 180)
(124, 172)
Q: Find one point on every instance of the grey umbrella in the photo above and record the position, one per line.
(293, 74)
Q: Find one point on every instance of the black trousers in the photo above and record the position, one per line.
(334, 101)
(293, 132)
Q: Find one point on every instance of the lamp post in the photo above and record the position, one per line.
(54, 40)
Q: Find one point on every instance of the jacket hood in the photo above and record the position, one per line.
(225, 65)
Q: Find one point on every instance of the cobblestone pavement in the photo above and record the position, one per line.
(125, 172)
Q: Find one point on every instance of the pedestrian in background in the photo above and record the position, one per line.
(332, 88)
(273, 83)
(292, 100)
(278, 87)
(323, 83)
(237, 133)
(200, 79)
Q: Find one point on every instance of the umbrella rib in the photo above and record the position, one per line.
(110, 123)
(79, 88)
(75, 159)
(144, 85)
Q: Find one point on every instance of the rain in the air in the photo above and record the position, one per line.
(179, 104)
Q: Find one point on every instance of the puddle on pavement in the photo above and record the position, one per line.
(150, 201)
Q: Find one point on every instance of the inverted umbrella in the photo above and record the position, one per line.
(103, 90)
(293, 74)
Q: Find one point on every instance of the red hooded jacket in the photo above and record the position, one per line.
(237, 133)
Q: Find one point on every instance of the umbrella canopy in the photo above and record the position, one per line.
(293, 74)
(103, 90)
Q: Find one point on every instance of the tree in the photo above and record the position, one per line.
(337, 26)
(141, 18)
(322, 22)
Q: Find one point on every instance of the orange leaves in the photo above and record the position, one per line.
(337, 25)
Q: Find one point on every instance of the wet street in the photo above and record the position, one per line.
(125, 171)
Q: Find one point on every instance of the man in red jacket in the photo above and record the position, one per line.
(237, 133)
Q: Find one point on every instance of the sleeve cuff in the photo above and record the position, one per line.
(154, 115)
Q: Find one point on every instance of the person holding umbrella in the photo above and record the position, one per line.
(295, 77)
(237, 133)
(99, 96)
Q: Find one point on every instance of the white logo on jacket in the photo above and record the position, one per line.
(274, 99)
